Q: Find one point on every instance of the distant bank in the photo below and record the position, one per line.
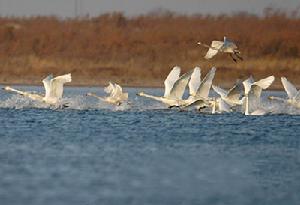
(141, 50)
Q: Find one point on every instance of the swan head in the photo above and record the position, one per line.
(237, 51)
(271, 98)
(6, 88)
(140, 94)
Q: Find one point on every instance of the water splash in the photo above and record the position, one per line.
(276, 107)
(20, 102)
(77, 100)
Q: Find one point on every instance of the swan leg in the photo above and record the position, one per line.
(238, 56)
(65, 105)
(172, 106)
(233, 58)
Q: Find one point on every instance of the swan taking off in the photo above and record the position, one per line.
(231, 97)
(116, 94)
(225, 46)
(53, 89)
(199, 90)
(174, 88)
(253, 92)
(292, 93)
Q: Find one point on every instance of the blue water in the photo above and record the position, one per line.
(92, 153)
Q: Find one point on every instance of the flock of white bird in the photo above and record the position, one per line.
(244, 95)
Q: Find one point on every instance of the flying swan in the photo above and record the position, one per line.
(229, 98)
(174, 88)
(292, 93)
(199, 91)
(253, 93)
(225, 46)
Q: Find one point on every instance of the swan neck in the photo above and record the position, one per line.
(246, 105)
(214, 107)
(150, 96)
(96, 96)
(277, 98)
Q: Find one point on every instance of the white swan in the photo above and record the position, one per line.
(224, 46)
(253, 93)
(116, 94)
(231, 97)
(174, 88)
(53, 89)
(200, 97)
(292, 93)
(227, 99)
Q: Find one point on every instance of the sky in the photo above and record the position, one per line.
(69, 8)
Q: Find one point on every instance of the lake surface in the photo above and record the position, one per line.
(93, 153)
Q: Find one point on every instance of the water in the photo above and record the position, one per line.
(92, 153)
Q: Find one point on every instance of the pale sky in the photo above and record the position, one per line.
(67, 8)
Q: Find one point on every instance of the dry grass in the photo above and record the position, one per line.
(140, 51)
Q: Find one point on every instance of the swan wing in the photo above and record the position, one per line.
(124, 97)
(217, 44)
(57, 84)
(297, 97)
(203, 90)
(223, 106)
(234, 93)
(247, 84)
(109, 89)
(290, 89)
(199, 103)
(47, 85)
(257, 87)
(171, 79)
(254, 98)
(210, 53)
(265, 82)
(179, 86)
(195, 81)
(214, 48)
(220, 91)
(117, 92)
(259, 112)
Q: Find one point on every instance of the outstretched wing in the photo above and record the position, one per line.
(179, 86)
(117, 93)
(247, 84)
(220, 91)
(260, 85)
(171, 79)
(289, 88)
(47, 85)
(195, 81)
(110, 88)
(214, 48)
(203, 90)
(234, 93)
(265, 82)
(57, 84)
